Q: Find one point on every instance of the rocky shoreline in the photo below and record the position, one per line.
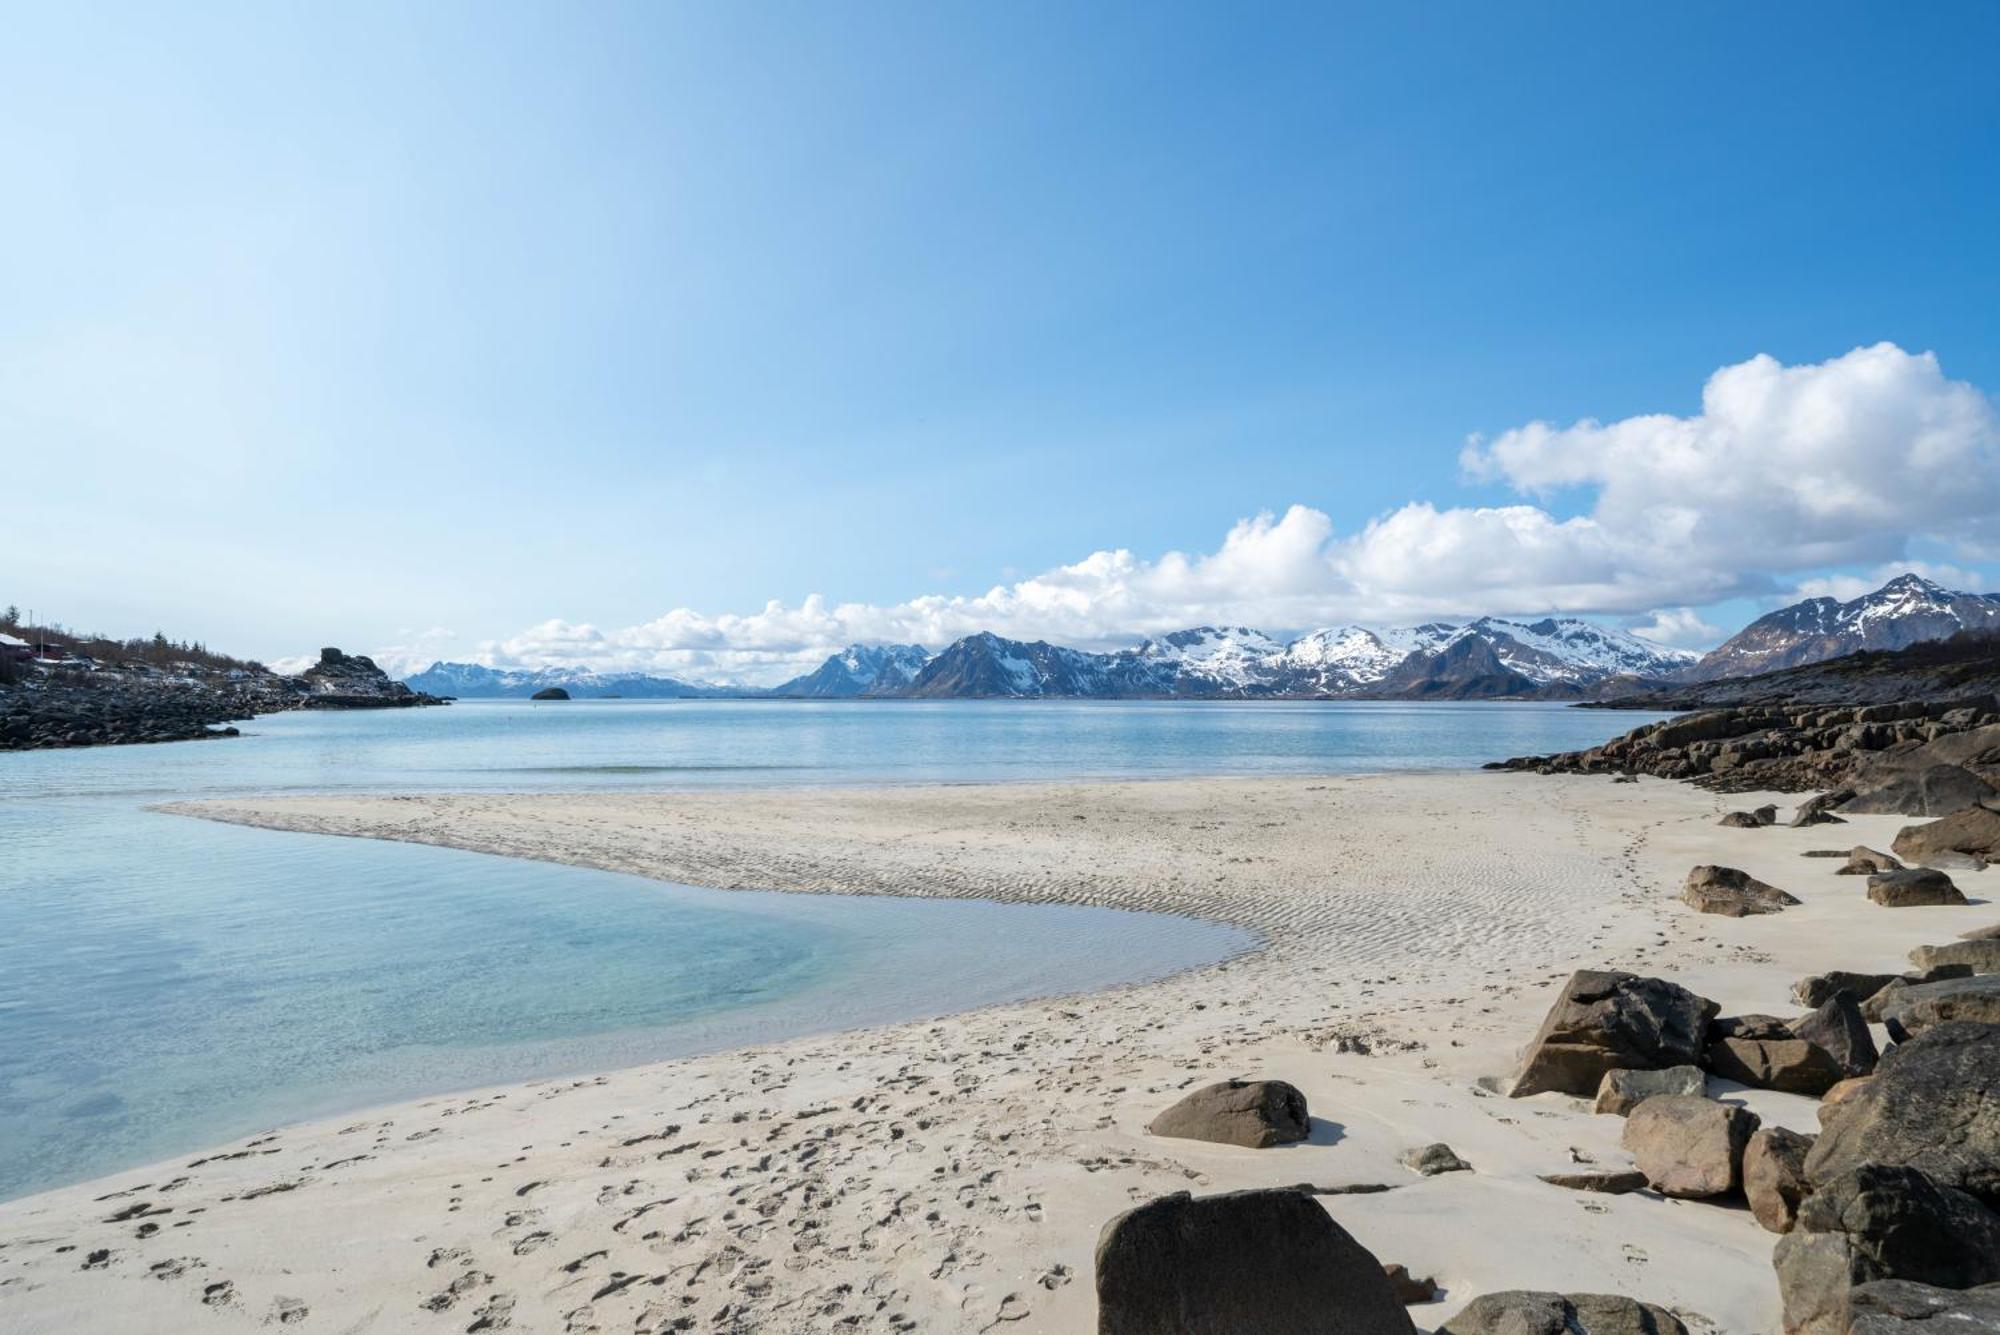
(66, 706)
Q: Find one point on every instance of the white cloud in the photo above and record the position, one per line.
(1678, 628)
(1785, 472)
(1844, 586)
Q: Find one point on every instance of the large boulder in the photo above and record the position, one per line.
(1774, 1175)
(1732, 893)
(1527, 1312)
(1836, 1025)
(1607, 1020)
(1925, 1006)
(1255, 1114)
(1900, 1307)
(1762, 1051)
(1877, 1222)
(1938, 790)
(1934, 1104)
(1622, 1091)
(1865, 861)
(1980, 956)
(1990, 932)
(1971, 836)
(1689, 1147)
(1269, 1261)
(1815, 991)
(1919, 887)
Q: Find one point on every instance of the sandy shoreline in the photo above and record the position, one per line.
(953, 1175)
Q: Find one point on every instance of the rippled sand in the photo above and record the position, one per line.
(953, 1175)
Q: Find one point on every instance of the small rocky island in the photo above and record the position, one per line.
(82, 699)
(550, 693)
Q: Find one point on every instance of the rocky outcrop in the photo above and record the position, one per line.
(1774, 1175)
(1917, 1009)
(1604, 1021)
(1938, 790)
(1528, 1312)
(1900, 1307)
(1268, 1261)
(1980, 954)
(1837, 1027)
(1622, 1091)
(1604, 1181)
(1969, 837)
(1916, 887)
(550, 693)
(1880, 1222)
(1816, 990)
(1732, 893)
(1689, 1147)
(1930, 1106)
(1764, 1052)
(1254, 1114)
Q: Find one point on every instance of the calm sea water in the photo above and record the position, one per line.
(167, 983)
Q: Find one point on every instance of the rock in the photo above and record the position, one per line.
(1689, 1147)
(1930, 1106)
(1916, 888)
(1740, 820)
(1970, 835)
(1624, 778)
(1268, 1261)
(1817, 810)
(1607, 1020)
(1900, 1307)
(1877, 1222)
(1409, 1290)
(1991, 933)
(1865, 861)
(1255, 1114)
(1621, 1091)
(1875, 1010)
(550, 693)
(1924, 1006)
(1836, 1099)
(1524, 1312)
(1938, 790)
(1733, 893)
(1815, 990)
(1434, 1159)
(1980, 956)
(1763, 1052)
(1774, 1175)
(1606, 1181)
(1766, 814)
(1836, 1026)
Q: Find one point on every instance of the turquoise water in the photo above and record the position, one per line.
(168, 983)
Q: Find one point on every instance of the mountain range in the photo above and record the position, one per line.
(1556, 658)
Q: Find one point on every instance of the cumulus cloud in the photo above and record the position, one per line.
(1677, 628)
(1785, 472)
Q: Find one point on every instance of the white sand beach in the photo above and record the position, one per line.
(953, 1175)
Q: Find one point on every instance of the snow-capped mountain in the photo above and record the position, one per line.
(1206, 660)
(859, 670)
(474, 681)
(985, 665)
(1905, 611)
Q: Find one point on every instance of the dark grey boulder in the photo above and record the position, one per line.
(1762, 1051)
(1877, 1222)
(1740, 820)
(1622, 1091)
(1971, 836)
(1875, 1010)
(1732, 893)
(1837, 1026)
(1689, 1147)
(1918, 887)
(1604, 1181)
(1774, 1175)
(1267, 1261)
(1925, 1006)
(1900, 1307)
(1865, 861)
(1603, 1021)
(1766, 814)
(550, 693)
(1527, 1312)
(1818, 810)
(1255, 1114)
(1938, 790)
(1981, 956)
(1933, 1104)
(1815, 991)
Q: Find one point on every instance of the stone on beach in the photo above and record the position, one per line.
(1837, 1026)
(1980, 956)
(1527, 1312)
(1255, 1114)
(1865, 861)
(1931, 1105)
(1764, 1052)
(1914, 1010)
(1689, 1147)
(1970, 836)
(1271, 1261)
(1815, 991)
(1430, 1160)
(1915, 888)
(1815, 811)
(1623, 1090)
(1901, 1307)
(1774, 1178)
(1877, 1222)
(1938, 790)
(1740, 820)
(1410, 1289)
(1732, 893)
(1606, 1181)
(1603, 1021)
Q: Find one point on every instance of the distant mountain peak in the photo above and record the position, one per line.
(1908, 609)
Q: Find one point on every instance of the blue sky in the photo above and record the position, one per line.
(537, 333)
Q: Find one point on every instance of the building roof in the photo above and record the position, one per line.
(12, 642)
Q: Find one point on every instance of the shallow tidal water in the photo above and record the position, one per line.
(168, 983)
